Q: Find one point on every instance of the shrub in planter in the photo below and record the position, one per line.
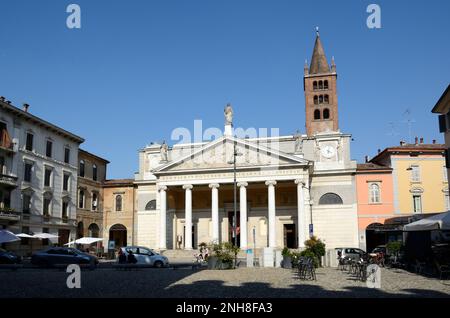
(310, 254)
(316, 247)
(225, 254)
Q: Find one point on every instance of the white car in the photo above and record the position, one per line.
(145, 256)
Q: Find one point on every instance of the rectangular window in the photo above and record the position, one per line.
(442, 123)
(46, 209)
(29, 142)
(27, 172)
(94, 172)
(45, 241)
(26, 203)
(2, 165)
(444, 174)
(66, 155)
(447, 201)
(66, 179)
(417, 202)
(48, 149)
(65, 211)
(415, 173)
(47, 177)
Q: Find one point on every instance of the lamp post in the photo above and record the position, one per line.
(235, 154)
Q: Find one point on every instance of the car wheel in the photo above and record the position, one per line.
(158, 264)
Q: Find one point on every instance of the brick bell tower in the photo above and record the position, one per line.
(319, 84)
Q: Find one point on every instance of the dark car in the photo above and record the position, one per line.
(7, 257)
(62, 255)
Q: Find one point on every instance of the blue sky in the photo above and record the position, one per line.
(138, 69)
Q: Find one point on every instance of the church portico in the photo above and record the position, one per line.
(193, 214)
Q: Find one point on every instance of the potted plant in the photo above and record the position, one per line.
(287, 258)
(315, 248)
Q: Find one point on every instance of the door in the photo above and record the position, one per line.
(231, 228)
(194, 246)
(63, 237)
(289, 236)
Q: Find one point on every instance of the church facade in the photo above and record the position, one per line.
(287, 187)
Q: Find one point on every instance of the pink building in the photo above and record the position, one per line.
(375, 197)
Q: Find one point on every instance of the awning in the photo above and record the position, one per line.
(439, 221)
(25, 235)
(85, 241)
(45, 236)
(7, 236)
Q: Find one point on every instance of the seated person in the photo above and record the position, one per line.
(122, 257)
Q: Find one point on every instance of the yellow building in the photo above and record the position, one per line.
(419, 177)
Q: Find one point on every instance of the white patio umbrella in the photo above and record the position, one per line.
(88, 240)
(45, 236)
(7, 236)
(25, 235)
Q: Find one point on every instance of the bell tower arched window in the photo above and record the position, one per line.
(326, 113)
(317, 114)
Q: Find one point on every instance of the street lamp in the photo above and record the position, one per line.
(235, 154)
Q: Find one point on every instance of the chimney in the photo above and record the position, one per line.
(379, 150)
(366, 158)
(25, 107)
(434, 141)
(402, 143)
(8, 102)
(2, 98)
(421, 140)
(416, 140)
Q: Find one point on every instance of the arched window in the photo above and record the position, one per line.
(94, 230)
(375, 193)
(321, 99)
(94, 172)
(81, 199)
(315, 85)
(317, 114)
(316, 100)
(325, 84)
(330, 198)
(118, 203)
(326, 99)
(151, 205)
(326, 113)
(94, 201)
(81, 172)
(320, 85)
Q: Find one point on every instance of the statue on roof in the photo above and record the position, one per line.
(164, 150)
(228, 112)
(298, 141)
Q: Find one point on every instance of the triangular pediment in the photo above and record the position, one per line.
(218, 155)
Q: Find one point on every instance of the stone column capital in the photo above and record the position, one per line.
(214, 185)
(242, 184)
(162, 188)
(300, 182)
(187, 187)
(271, 183)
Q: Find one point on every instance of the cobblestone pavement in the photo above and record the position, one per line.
(243, 282)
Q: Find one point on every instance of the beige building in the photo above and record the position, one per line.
(91, 176)
(118, 212)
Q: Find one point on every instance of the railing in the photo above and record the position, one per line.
(8, 179)
(9, 214)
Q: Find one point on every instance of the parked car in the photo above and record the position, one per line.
(62, 255)
(350, 252)
(145, 256)
(7, 257)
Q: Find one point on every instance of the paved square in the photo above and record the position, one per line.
(243, 282)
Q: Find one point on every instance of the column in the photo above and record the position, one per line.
(243, 213)
(300, 213)
(188, 217)
(271, 198)
(215, 211)
(163, 217)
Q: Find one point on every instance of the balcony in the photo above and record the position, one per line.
(8, 214)
(5, 142)
(8, 180)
